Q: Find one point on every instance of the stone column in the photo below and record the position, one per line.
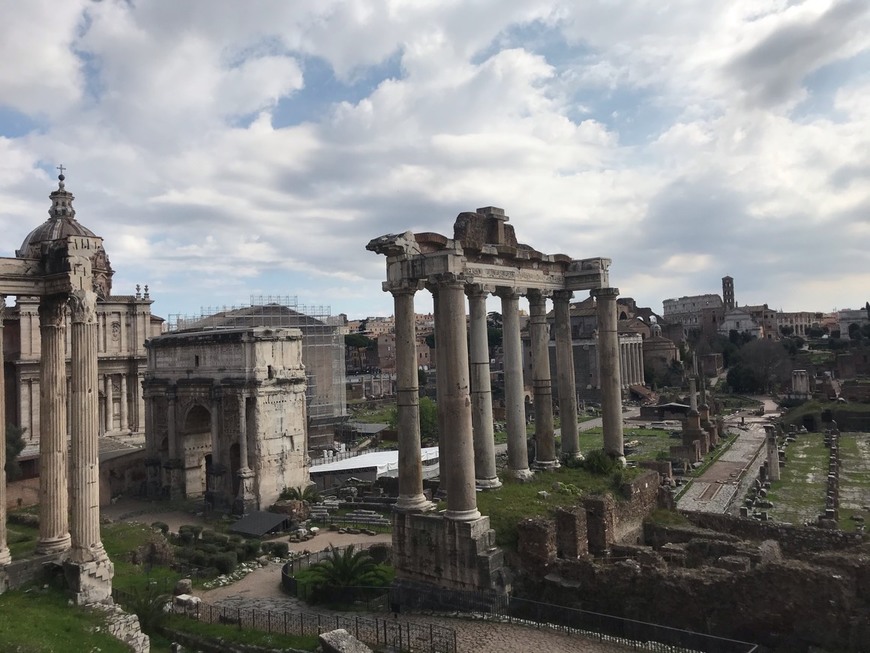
(772, 452)
(461, 492)
(693, 393)
(125, 426)
(245, 499)
(53, 492)
(481, 391)
(84, 430)
(109, 402)
(515, 409)
(539, 333)
(440, 372)
(565, 374)
(215, 495)
(5, 556)
(411, 497)
(175, 464)
(623, 375)
(140, 403)
(608, 363)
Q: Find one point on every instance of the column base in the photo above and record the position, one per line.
(5, 556)
(462, 515)
(90, 582)
(520, 474)
(487, 483)
(574, 455)
(54, 544)
(546, 465)
(418, 503)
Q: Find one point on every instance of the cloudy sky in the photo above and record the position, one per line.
(225, 150)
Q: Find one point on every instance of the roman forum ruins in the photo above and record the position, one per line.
(62, 277)
(457, 550)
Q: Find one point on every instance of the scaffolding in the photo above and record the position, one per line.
(322, 351)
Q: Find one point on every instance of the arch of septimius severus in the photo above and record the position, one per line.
(62, 277)
(456, 550)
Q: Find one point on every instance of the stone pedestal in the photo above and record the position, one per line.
(91, 581)
(245, 501)
(772, 453)
(453, 555)
(153, 478)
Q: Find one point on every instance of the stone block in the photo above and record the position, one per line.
(341, 641)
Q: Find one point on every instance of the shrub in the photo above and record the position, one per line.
(598, 462)
(210, 548)
(208, 536)
(163, 527)
(252, 549)
(185, 538)
(225, 562)
(280, 549)
(200, 558)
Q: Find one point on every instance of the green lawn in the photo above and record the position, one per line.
(854, 478)
(800, 493)
(41, 621)
(515, 501)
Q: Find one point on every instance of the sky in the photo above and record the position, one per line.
(228, 150)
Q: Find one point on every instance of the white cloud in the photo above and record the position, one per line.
(665, 136)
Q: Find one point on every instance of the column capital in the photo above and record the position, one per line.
(563, 295)
(403, 287)
(172, 394)
(509, 292)
(538, 295)
(52, 310)
(478, 290)
(605, 293)
(83, 306)
(216, 393)
(444, 279)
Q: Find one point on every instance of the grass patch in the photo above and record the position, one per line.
(668, 518)
(41, 621)
(120, 539)
(21, 540)
(235, 635)
(515, 501)
(799, 495)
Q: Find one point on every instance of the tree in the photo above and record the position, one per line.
(786, 330)
(428, 419)
(14, 446)
(768, 361)
(744, 380)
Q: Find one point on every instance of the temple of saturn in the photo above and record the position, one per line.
(455, 549)
(62, 277)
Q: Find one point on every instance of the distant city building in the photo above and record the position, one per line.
(741, 321)
(799, 321)
(728, 302)
(688, 310)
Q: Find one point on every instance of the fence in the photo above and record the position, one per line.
(630, 632)
(371, 630)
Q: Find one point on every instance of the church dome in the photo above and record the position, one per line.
(61, 224)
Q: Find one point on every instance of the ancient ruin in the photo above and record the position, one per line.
(455, 550)
(63, 270)
(226, 416)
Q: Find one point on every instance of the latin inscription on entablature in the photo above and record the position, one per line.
(517, 277)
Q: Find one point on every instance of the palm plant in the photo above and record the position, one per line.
(309, 493)
(339, 577)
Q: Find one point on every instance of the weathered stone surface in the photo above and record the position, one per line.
(183, 586)
(341, 641)
(296, 509)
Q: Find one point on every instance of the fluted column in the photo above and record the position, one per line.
(216, 395)
(5, 556)
(461, 492)
(515, 409)
(53, 498)
(125, 426)
(109, 403)
(565, 374)
(542, 383)
(140, 403)
(608, 363)
(481, 391)
(84, 429)
(171, 430)
(411, 497)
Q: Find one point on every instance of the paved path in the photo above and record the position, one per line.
(722, 486)
(261, 590)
